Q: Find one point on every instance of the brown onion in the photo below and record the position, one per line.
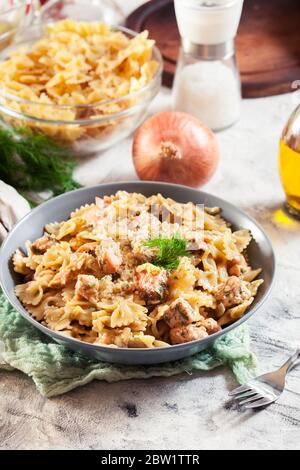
(175, 147)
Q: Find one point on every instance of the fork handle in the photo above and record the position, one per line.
(291, 362)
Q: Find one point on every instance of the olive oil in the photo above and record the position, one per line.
(289, 163)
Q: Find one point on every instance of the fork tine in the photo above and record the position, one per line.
(245, 394)
(254, 398)
(238, 390)
(259, 403)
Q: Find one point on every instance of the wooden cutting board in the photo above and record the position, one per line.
(268, 42)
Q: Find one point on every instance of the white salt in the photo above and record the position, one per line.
(210, 91)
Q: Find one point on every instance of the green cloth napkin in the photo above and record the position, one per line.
(56, 370)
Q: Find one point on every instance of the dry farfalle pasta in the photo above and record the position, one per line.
(81, 67)
(117, 273)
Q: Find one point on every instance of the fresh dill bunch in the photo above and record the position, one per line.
(169, 250)
(34, 162)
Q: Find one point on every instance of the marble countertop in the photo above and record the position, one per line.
(187, 411)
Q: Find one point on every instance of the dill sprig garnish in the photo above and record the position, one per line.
(169, 250)
(34, 162)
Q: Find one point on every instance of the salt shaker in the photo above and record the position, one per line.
(207, 81)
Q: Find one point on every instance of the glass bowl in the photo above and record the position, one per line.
(96, 126)
(83, 10)
(14, 16)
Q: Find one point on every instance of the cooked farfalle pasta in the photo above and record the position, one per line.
(99, 276)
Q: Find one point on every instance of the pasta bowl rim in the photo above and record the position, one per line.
(151, 87)
(128, 354)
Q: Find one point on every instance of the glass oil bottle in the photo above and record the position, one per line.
(289, 163)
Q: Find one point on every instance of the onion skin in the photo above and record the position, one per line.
(175, 147)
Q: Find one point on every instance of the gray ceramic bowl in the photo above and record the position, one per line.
(57, 209)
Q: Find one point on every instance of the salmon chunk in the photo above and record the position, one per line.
(87, 287)
(233, 292)
(180, 313)
(210, 325)
(109, 256)
(42, 244)
(151, 283)
(187, 333)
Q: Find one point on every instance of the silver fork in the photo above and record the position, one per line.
(266, 388)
